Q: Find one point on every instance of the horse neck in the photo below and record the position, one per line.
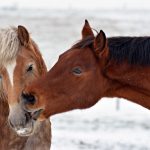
(130, 82)
(4, 108)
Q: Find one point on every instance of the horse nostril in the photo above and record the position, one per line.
(28, 98)
(28, 116)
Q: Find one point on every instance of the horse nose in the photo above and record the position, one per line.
(28, 98)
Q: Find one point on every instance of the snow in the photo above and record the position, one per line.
(78, 4)
(101, 127)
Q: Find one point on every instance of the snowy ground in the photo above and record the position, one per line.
(100, 127)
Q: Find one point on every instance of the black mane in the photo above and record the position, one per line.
(84, 43)
(134, 50)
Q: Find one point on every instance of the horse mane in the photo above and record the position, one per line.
(134, 50)
(9, 45)
(86, 42)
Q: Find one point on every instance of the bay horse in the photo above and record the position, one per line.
(93, 68)
(20, 63)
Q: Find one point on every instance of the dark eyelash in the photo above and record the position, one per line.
(77, 70)
(30, 68)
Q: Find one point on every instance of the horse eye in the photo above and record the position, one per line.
(30, 68)
(77, 71)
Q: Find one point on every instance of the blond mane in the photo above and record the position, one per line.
(9, 45)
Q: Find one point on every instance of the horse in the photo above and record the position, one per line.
(93, 68)
(20, 63)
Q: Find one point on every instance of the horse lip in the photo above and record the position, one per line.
(25, 131)
(36, 114)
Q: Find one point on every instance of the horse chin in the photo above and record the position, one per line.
(24, 124)
(28, 130)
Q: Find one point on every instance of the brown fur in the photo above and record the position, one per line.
(64, 88)
(10, 95)
(9, 140)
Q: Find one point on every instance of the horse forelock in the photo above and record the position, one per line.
(9, 45)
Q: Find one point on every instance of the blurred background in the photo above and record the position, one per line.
(112, 124)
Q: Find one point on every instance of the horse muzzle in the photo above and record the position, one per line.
(21, 121)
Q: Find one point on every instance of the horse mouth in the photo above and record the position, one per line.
(35, 114)
(28, 126)
(26, 131)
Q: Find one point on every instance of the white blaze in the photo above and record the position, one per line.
(10, 70)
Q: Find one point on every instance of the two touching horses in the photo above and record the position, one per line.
(93, 68)
(20, 64)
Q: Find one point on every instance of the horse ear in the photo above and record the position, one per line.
(100, 42)
(87, 31)
(23, 35)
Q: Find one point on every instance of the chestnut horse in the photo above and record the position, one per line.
(94, 68)
(20, 63)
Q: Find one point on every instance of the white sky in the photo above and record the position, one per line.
(83, 4)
